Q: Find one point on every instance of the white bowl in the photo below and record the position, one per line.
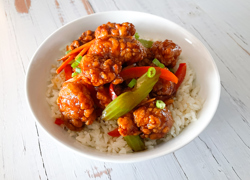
(149, 26)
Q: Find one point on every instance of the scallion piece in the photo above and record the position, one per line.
(162, 65)
(78, 70)
(132, 83)
(135, 142)
(171, 70)
(67, 52)
(160, 104)
(128, 100)
(137, 36)
(145, 43)
(71, 62)
(74, 74)
(74, 64)
(151, 72)
(79, 59)
(158, 63)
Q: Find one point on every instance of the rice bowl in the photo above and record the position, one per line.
(165, 29)
(184, 111)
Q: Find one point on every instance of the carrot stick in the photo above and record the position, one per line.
(76, 50)
(65, 64)
(139, 71)
(82, 52)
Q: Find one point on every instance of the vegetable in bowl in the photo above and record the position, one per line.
(104, 63)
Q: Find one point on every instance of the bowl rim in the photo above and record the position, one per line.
(115, 157)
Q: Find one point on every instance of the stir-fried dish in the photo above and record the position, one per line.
(113, 74)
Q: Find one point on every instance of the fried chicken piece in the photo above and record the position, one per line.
(147, 61)
(76, 104)
(154, 123)
(127, 125)
(148, 121)
(103, 96)
(166, 52)
(163, 88)
(86, 36)
(98, 71)
(114, 29)
(126, 49)
(74, 44)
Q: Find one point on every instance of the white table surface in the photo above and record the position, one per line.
(222, 151)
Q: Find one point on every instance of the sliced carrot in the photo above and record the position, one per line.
(65, 64)
(139, 71)
(76, 50)
(82, 52)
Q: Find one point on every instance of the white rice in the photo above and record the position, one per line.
(184, 111)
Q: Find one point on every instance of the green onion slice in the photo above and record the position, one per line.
(74, 74)
(74, 64)
(132, 83)
(162, 65)
(158, 63)
(160, 104)
(79, 59)
(78, 70)
(171, 70)
(151, 72)
(130, 99)
(135, 142)
(71, 62)
(67, 52)
(145, 43)
(137, 36)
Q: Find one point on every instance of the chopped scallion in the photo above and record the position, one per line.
(128, 100)
(135, 142)
(137, 36)
(71, 62)
(158, 63)
(74, 64)
(160, 104)
(79, 59)
(78, 70)
(74, 74)
(145, 43)
(161, 65)
(67, 52)
(151, 72)
(171, 70)
(132, 83)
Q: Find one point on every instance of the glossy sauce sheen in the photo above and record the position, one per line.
(113, 48)
(125, 49)
(75, 102)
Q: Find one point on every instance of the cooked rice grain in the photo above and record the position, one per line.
(184, 111)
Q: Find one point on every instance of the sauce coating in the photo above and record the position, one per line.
(97, 70)
(125, 49)
(113, 48)
(166, 52)
(75, 103)
(154, 123)
(114, 29)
